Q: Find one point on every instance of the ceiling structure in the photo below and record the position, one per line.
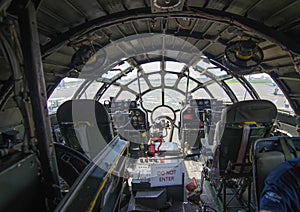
(209, 25)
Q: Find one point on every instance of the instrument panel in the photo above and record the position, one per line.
(122, 105)
(200, 103)
(196, 113)
(138, 119)
(127, 114)
(195, 120)
(130, 121)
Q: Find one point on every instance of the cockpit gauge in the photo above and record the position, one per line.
(133, 104)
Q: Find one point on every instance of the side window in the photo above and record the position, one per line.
(63, 92)
(267, 89)
(238, 89)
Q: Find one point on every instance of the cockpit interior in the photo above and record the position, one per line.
(146, 105)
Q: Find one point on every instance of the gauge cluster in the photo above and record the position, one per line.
(127, 113)
(138, 119)
(201, 103)
(130, 121)
(195, 119)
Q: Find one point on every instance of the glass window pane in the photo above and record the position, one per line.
(267, 89)
(198, 75)
(200, 94)
(135, 86)
(174, 66)
(218, 92)
(63, 92)
(174, 99)
(203, 78)
(163, 111)
(170, 79)
(155, 80)
(238, 89)
(112, 91)
(91, 91)
(152, 99)
(151, 67)
(183, 83)
(125, 95)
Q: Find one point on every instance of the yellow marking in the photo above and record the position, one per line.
(83, 122)
(97, 195)
(104, 183)
(248, 123)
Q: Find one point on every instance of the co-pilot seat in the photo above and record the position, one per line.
(241, 124)
(85, 126)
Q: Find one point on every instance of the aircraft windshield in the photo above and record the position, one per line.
(163, 91)
(167, 84)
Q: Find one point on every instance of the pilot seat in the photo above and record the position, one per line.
(85, 126)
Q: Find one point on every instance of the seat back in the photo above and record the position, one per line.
(241, 124)
(85, 125)
(70, 162)
(267, 154)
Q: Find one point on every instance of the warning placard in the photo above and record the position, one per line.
(166, 175)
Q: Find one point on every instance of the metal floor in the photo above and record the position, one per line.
(193, 169)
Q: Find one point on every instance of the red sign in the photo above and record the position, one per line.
(187, 116)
